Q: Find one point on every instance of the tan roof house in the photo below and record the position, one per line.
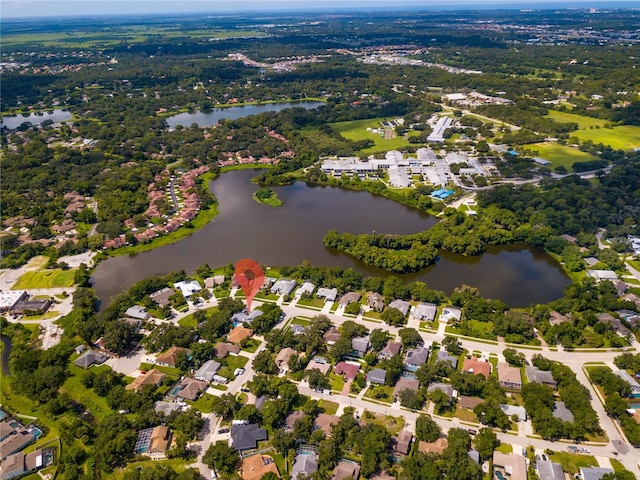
(255, 466)
(509, 377)
(170, 357)
(238, 334)
(515, 466)
(282, 359)
(152, 377)
(433, 447)
(477, 366)
(325, 421)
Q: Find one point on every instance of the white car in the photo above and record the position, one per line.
(238, 371)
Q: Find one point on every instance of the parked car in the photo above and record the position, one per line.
(238, 371)
(223, 430)
(245, 390)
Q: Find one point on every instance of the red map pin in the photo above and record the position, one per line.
(250, 277)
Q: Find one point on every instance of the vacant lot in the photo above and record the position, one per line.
(623, 137)
(45, 279)
(561, 154)
(357, 130)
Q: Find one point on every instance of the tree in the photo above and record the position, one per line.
(427, 429)
(264, 363)
(453, 345)
(317, 380)
(353, 308)
(221, 457)
(410, 337)
(411, 399)
(225, 406)
(378, 339)
(486, 441)
(513, 357)
(440, 399)
(392, 316)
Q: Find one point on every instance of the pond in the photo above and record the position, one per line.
(207, 118)
(36, 118)
(288, 235)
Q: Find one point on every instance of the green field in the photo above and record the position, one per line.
(623, 137)
(573, 462)
(561, 154)
(108, 36)
(45, 279)
(357, 130)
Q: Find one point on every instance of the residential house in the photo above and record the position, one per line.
(89, 358)
(594, 473)
(561, 412)
(438, 446)
(348, 369)
(240, 318)
(401, 305)
(405, 384)
(325, 421)
(389, 350)
(443, 387)
(306, 287)
(282, 359)
(207, 371)
(331, 336)
(153, 442)
(540, 376)
(377, 375)
(375, 302)
(401, 443)
(167, 407)
(297, 329)
(477, 366)
(451, 314)
(383, 475)
(600, 275)
(189, 388)
(469, 402)
(633, 383)
(361, 345)
(444, 356)
(320, 364)
(15, 437)
(556, 318)
(152, 377)
(283, 287)
(20, 464)
(304, 465)
(415, 358)
(215, 281)
(238, 334)
(329, 294)
(188, 287)
(172, 356)
(162, 296)
(514, 410)
(351, 297)
(291, 419)
(548, 470)
(255, 466)
(245, 437)
(346, 469)
(425, 312)
(222, 349)
(509, 377)
(511, 466)
(138, 312)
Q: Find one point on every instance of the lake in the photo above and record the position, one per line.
(35, 118)
(287, 235)
(208, 118)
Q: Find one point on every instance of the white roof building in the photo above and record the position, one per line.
(188, 287)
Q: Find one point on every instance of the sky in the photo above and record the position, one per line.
(38, 8)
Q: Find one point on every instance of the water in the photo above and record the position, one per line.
(287, 235)
(37, 118)
(211, 117)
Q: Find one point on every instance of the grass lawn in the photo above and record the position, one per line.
(357, 130)
(232, 362)
(252, 345)
(505, 448)
(623, 137)
(381, 393)
(466, 415)
(393, 424)
(328, 407)
(171, 371)
(176, 464)
(189, 321)
(618, 467)
(572, 462)
(561, 154)
(311, 302)
(203, 404)
(262, 296)
(96, 404)
(271, 201)
(45, 279)
(337, 382)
